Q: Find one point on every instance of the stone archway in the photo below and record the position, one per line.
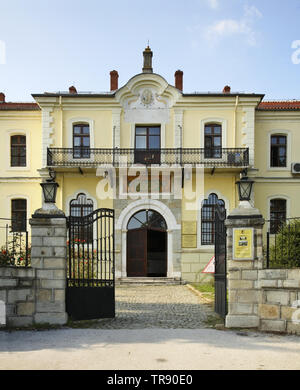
(173, 230)
(147, 245)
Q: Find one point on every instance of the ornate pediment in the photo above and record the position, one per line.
(147, 98)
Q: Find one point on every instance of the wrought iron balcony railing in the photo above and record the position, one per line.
(94, 157)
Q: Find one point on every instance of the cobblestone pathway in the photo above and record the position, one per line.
(154, 306)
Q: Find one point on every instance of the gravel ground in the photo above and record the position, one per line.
(155, 306)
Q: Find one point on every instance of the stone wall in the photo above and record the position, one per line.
(17, 291)
(279, 308)
(36, 295)
(265, 299)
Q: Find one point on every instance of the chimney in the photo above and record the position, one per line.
(147, 60)
(72, 90)
(2, 97)
(179, 79)
(227, 89)
(114, 80)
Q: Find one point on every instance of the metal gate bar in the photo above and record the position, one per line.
(220, 262)
(90, 276)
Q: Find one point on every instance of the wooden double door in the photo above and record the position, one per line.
(146, 252)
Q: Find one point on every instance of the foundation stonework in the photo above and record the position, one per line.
(49, 260)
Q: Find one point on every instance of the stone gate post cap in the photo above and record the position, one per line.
(245, 210)
(48, 211)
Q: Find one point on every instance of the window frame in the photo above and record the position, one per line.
(279, 132)
(147, 127)
(84, 151)
(19, 220)
(209, 220)
(273, 229)
(277, 146)
(85, 232)
(209, 152)
(18, 146)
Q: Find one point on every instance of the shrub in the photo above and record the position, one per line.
(285, 246)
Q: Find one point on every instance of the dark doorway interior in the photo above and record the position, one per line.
(147, 245)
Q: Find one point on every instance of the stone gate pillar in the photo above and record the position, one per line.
(48, 258)
(244, 259)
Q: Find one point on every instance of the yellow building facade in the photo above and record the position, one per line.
(161, 158)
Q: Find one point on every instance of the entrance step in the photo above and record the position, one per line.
(153, 281)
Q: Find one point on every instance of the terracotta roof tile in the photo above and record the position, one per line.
(7, 106)
(280, 105)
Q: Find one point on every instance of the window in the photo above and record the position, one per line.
(18, 151)
(147, 144)
(149, 219)
(18, 215)
(278, 151)
(208, 219)
(213, 141)
(81, 141)
(277, 214)
(81, 207)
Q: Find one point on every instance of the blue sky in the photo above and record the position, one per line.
(49, 45)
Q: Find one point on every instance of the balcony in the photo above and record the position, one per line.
(93, 158)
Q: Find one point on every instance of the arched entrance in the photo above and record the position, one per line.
(147, 245)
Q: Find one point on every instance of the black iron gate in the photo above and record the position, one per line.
(220, 261)
(90, 292)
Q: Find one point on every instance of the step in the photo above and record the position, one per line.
(148, 281)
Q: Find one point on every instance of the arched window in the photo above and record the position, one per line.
(277, 214)
(208, 219)
(18, 151)
(213, 140)
(81, 140)
(81, 207)
(148, 219)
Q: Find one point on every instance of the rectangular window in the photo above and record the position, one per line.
(18, 151)
(278, 151)
(147, 145)
(18, 215)
(277, 214)
(81, 141)
(213, 141)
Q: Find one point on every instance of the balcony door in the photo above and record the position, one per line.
(81, 140)
(213, 141)
(147, 145)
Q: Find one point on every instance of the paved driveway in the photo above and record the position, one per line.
(155, 306)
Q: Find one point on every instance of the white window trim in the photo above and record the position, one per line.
(162, 135)
(279, 196)
(121, 227)
(74, 196)
(70, 124)
(19, 196)
(9, 134)
(218, 121)
(199, 220)
(288, 135)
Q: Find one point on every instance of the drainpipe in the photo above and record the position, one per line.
(234, 125)
(61, 121)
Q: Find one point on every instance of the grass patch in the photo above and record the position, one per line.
(206, 289)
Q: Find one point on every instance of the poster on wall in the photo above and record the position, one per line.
(243, 244)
